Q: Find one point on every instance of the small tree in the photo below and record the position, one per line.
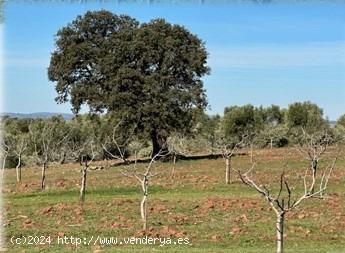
(276, 135)
(228, 150)
(283, 203)
(4, 150)
(115, 137)
(240, 121)
(228, 144)
(206, 129)
(45, 139)
(177, 146)
(144, 178)
(86, 158)
(18, 151)
(16, 135)
(312, 147)
(81, 145)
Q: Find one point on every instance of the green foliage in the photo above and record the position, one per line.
(206, 128)
(274, 115)
(46, 137)
(261, 126)
(15, 136)
(81, 140)
(272, 136)
(341, 120)
(305, 115)
(240, 121)
(148, 73)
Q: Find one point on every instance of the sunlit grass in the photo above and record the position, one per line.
(195, 203)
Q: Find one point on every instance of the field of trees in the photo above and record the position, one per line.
(148, 162)
(191, 194)
(195, 204)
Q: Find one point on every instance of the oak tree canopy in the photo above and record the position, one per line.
(147, 73)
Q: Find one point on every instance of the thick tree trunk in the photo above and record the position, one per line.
(19, 169)
(83, 184)
(280, 232)
(43, 179)
(143, 210)
(158, 144)
(228, 170)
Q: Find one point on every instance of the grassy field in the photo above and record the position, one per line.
(195, 204)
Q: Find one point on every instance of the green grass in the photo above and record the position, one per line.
(196, 204)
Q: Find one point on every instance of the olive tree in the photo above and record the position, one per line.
(341, 120)
(305, 115)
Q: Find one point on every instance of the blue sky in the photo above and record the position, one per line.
(259, 54)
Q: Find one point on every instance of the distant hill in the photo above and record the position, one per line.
(36, 115)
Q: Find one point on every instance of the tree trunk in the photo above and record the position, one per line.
(3, 160)
(143, 210)
(83, 184)
(271, 143)
(174, 164)
(158, 144)
(228, 170)
(19, 169)
(43, 179)
(251, 153)
(280, 232)
(63, 157)
(313, 168)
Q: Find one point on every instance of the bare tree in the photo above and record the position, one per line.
(17, 144)
(82, 145)
(120, 139)
(228, 152)
(19, 150)
(312, 147)
(228, 147)
(43, 157)
(144, 178)
(4, 150)
(274, 133)
(85, 162)
(78, 150)
(177, 146)
(283, 202)
(45, 138)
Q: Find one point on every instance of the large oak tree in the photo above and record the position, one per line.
(149, 73)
